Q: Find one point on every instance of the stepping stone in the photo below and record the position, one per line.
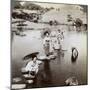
(30, 81)
(44, 58)
(16, 80)
(28, 76)
(18, 86)
(71, 81)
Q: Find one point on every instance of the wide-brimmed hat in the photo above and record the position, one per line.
(31, 55)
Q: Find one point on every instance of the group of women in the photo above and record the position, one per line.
(52, 41)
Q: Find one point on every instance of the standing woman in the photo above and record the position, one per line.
(60, 37)
(46, 43)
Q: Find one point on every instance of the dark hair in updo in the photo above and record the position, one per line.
(46, 33)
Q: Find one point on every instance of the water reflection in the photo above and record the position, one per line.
(53, 71)
(47, 72)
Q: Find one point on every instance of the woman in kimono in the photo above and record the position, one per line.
(32, 67)
(46, 43)
(54, 41)
(60, 38)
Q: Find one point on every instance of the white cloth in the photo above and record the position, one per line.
(31, 66)
(55, 44)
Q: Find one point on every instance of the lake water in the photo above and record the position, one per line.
(62, 67)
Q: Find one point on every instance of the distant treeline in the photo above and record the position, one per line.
(26, 5)
(29, 6)
(85, 8)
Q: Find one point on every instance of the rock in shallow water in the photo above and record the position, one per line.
(17, 79)
(71, 81)
(30, 81)
(18, 86)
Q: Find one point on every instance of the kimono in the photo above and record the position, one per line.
(46, 45)
(60, 38)
(55, 44)
(33, 66)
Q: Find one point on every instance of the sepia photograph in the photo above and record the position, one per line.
(49, 44)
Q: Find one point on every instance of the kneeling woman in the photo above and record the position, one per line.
(32, 67)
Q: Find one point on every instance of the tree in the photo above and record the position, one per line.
(78, 22)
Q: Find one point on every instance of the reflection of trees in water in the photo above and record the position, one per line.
(19, 31)
(20, 28)
(59, 54)
(46, 77)
(12, 36)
